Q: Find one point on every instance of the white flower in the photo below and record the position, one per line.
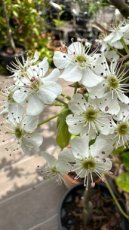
(113, 39)
(87, 118)
(20, 132)
(78, 64)
(36, 89)
(121, 127)
(88, 161)
(57, 167)
(6, 101)
(110, 92)
(20, 66)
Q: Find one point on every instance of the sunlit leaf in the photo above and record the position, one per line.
(123, 181)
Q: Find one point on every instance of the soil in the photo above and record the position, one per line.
(105, 215)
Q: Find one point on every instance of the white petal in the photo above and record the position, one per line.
(20, 95)
(101, 148)
(39, 70)
(43, 67)
(29, 123)
(116, 36)
(90, 79)
(117, 45)
(104, 165)
(96, 91)
(36, 57)
(15, 114)
(109, 105)
(60, 60)
(111, 54)
(80, 146)
(72, 73)
(49, 92)
(51, 160)
(123, 113)
(106, 126)
(78, 104)
(76, 48)
(53, 76)
(74, 125)
(99, 64)
(34, 105)
(123, 98)
(32, 142)
(64, 159)
(125, 29)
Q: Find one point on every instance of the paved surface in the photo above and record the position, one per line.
(27, 202)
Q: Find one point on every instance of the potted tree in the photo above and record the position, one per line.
(92, 125)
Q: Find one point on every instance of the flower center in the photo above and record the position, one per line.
(81, 60)
(10, 97)
(90, 114)
(113, 82)
(88, 164)
(54, 170)
(18, 132)
(123, 128)
(35, 84)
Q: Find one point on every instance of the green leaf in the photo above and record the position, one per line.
(119, 150)
(125, 159)
(123, 181)
(63, 135)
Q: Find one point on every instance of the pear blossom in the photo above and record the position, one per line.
(37, 89)
(20, 131)
(78, 65)
(111, 91)
(57, 167)
(119, 32)
(20, 66)
(89, 160)
(6, 99)
(121, 127)
(87, 118)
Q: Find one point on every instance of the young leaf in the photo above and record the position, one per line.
(63, 135)
(123, 181)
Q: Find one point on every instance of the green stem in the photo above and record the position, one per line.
(76, 86)
(115, 199)
(63, 95)
(112, 48)
(49, 119)
(57, 99)
(124, 45)
(55, 104)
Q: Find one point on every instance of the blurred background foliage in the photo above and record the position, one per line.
(27, 24)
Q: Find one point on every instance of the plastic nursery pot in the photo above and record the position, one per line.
(108, 216)
(7, 56)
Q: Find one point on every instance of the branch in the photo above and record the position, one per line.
(123, 59)
(121, 6)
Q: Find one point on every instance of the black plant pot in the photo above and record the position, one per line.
(66, 221)
(7, 56)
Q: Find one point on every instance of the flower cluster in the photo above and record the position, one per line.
(95, 120)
